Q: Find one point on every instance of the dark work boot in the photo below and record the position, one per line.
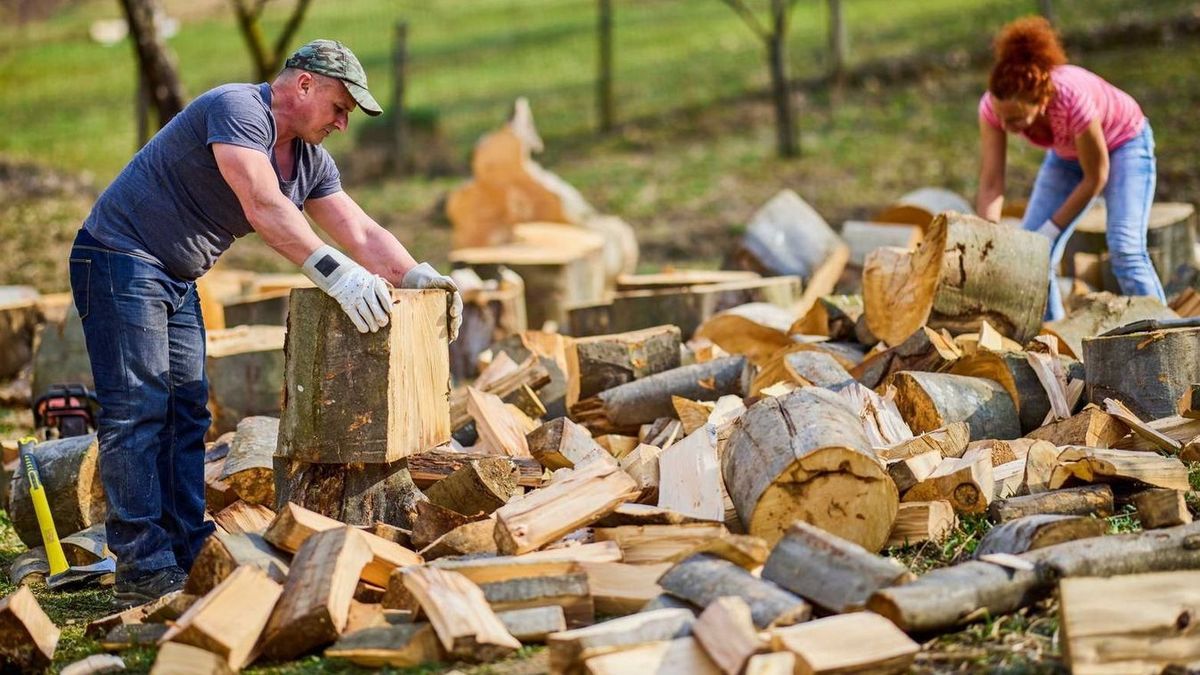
(148, 587)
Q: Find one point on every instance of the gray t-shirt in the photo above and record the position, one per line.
(172, 204)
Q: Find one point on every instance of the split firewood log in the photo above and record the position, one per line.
(929, 401)
(920, 206)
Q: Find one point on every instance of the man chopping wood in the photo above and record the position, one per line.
(240, 158)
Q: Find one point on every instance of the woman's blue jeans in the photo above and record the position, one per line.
(145, 339)
(1128, 196)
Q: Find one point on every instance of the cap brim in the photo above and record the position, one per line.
(364, 99)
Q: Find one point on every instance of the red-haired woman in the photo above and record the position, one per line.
(1097, 139)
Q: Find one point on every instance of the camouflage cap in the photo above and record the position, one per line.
(334, 59)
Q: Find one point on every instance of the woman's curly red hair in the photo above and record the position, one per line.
(1026, 51)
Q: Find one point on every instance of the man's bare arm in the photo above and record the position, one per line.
(364, 239)
(273, 216)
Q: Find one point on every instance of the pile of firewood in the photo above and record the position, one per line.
(694, 499)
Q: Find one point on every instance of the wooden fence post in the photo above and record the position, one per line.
(604, 75)
(400, 142)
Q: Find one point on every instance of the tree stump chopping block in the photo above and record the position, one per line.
(70, 474)
(805, 456)
(1146, 371)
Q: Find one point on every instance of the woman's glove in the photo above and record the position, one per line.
(1050, 230)
(364, 297)
(424, 276)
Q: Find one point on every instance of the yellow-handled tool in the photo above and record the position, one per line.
(41, 507)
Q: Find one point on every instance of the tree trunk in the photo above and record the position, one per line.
(1148, 372)
(604, 65)
(1021, 535)
(839, 47)
(356, 494)
(947, 597)
(804, 456)
(70, 475)
(155, 59)
(787, 143)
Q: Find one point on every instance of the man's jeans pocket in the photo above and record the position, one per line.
(81, 280)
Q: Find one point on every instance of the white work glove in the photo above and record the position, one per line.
(1050, 231)
(424, 276)
(363, 296)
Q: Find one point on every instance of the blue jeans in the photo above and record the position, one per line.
(145, 339)
(1128, 196)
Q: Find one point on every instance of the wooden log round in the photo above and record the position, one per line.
(1097, 313)
(928, 401)
(1170, 241)
(786, 236)
(1148, 372)
(805, 456)
(70, 473)
(921, 205)
(1086, 500)
(701, 579)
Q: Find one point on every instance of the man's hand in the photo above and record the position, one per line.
(1050, 230)
(363, 296)
(424, 276)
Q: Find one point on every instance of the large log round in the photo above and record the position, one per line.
(1170, 241)
(967, 271)
(804, 456)
(929, 401)
(1146, 371)
(1013, 372)
(70, 475)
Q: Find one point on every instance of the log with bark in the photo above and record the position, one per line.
(394, 646)
(430, 467)
(925, 349)
(804, 456)
(1147, 371)
(928, 401)
(701, 579)
(920, 206)
(787, 236)
(563, 444)
(626, 407)
(489, 314)
(1087, 500)
(945, 598)
(1158, 508)
(727, 634)
(70, 475)
(221, 554)
(1024, 534)
(60, 353)
(355, 494)
(569, 649)
(19, 317)
(1098, 313)
(595, 364)
(245, 368)
(966, 482)
(372, 398)
(484, 485)
(966, 271)
(829, 571)
(248, 468)
(1013, 371)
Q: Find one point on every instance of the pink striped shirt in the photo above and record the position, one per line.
(1080, 96)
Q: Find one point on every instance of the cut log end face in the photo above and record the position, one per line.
(838, 490)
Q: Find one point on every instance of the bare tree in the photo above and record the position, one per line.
(267, 59)
(156, 63)
(774, 37)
